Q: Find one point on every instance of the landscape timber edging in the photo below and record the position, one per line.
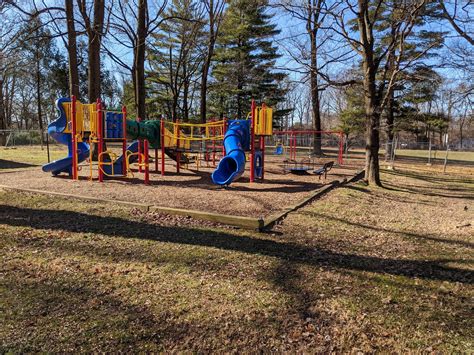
(141, 206)
(236, 221)
(232, 220)
(260, 224)
(271, 220)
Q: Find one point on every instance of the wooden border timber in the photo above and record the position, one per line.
(232, 220)
(236, 221)
(78, 197)
(271, 220)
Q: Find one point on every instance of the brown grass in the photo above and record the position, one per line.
(363, 269)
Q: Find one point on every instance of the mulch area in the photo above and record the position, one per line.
(191, 189)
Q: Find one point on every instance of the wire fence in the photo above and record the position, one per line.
(425, 152)
(14, 138)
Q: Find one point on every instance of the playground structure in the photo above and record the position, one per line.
(297, 147)
(241, 136)
(79, 126)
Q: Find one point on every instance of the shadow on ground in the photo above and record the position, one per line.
(117, 227)
(9, 164)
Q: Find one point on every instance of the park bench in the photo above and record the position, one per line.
(324, 169)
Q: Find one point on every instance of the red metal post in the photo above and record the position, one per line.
(162, 143)
(147, 170)
(100, 137)
(73, 138)
(252, 142)
(262, 148)
(294, 146)
(290, 140)
(140, 152)
(341, 148)
(223, 135)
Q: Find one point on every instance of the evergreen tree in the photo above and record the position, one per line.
(245, 59)
(175, 60)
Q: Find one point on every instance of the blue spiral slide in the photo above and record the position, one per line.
(56, 131)
(236, 142)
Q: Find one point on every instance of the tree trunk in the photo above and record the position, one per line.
(94, 69)
(203, 89)
(214, 19)
(94, 41)
(239, 100)
(372, 112)
(95, 38)
(185, 96)
(390, 126)
(371, 98)
(206, 66)
(140, 60)
(174, 108)
(315, 105)
(3, 124)
(72, 50)
(372, 168)
(38, 91)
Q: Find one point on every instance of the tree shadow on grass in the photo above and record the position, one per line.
(95, 318)
(467, 195)
(433, 178)
(461, 243)
(9, 164)
(118, 227)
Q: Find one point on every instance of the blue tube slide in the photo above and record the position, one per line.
(56, 131)
(236, 142)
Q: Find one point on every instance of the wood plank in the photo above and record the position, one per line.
(238, 221)
(79, 197)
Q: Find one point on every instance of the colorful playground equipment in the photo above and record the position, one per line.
(60, 130)
(297, 148)
(242, 136)
(79, 126)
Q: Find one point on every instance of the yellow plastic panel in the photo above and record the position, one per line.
(264, 121)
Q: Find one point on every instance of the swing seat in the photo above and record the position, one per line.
(324, 169)
(299, 170)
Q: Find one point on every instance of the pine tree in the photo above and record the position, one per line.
(175, 60)
(245, 59)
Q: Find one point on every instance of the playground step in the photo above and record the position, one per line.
(173, 154)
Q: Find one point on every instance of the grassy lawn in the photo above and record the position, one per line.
(26, 156)
(362, 269)
(437, 155)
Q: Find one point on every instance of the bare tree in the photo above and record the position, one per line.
(312, 14)
(8, 61)
(215, 12)
(381, 64)
(71, 46)
(94, 29)
(460, 15)
(131, 24)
